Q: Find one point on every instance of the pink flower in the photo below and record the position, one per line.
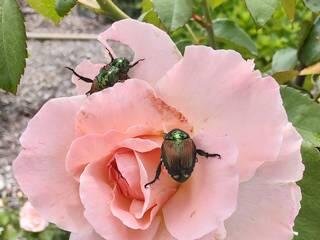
(85, 160)
(30, 220)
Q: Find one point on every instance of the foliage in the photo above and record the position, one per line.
(10, 229)
(12, 45)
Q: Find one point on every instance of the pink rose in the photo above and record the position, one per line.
(30, 220)
(85, 160)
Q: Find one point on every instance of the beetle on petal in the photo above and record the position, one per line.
(179, 156)
(116, 71)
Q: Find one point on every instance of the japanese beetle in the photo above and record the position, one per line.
(116, 71)
(179, 156)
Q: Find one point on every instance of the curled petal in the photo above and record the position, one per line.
(94, 147)
(96, 196)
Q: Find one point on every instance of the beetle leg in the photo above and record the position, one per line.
(156, 177)
(88, 80)
(140, 60)
(207, 155)
(110, 55)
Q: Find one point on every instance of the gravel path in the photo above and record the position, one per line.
(45, 77)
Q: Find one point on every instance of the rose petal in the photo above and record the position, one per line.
(91, 148)
(269, 202)
(148, 42)
(265, 211)
(30, 220)
(88, 70)
(163, 233)
(120, 208)
(129, 169)
(158, 193)
(229, 98)
(96, 196)
(40, 167)
(88, 235)
(94, 147)
(104, 111)
(210, 193)
(289, 166)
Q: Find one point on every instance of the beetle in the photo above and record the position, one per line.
(116, 71)
(179, 156)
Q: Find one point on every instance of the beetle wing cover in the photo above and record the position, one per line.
(178, 155)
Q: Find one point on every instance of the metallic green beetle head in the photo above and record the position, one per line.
(178, 154)
(122, 63)
(176, 135)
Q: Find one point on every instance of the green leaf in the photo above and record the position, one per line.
(173, 14)
(63, 7)
(46, 8)
(149, 15)
(289, 7)
(216, 3)
(227, 31)
(12, 45)
(313, 5)
(310, 51)
(307, 222)
(4, 217)
(261, 10)
(284, 60)
(10, 233)
(285, 76)
(305, 114)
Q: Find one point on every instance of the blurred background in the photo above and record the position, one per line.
(52, 47)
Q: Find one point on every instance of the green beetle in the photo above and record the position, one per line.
(116, 71)
(179, 156)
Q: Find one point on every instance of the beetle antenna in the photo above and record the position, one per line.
(88, 80)
(140, 60)
(110, 55)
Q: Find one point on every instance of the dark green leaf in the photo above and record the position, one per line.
(289, 7)
(63, 7)
(227, 31)
(261, 10)
(12, 45)
(310, 50)
(307, 222)
(284, 60)
(305, 114)
(46, 8)
(313, 5)
(173, 14)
